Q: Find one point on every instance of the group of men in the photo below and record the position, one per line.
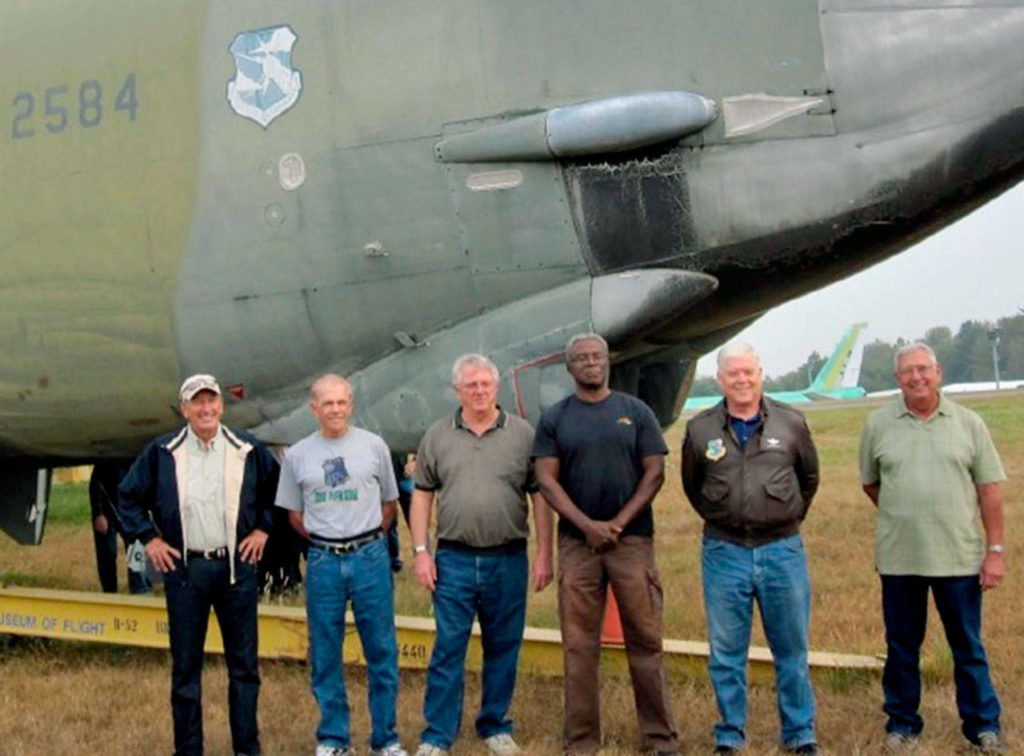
(201, 501)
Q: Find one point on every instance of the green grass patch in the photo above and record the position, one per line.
(69, 505)
(846, 680)
(26, 580)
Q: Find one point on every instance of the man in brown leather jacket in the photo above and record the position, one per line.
(750, 470)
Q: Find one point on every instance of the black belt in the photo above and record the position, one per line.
(514, 546)
(344, 545)
(220, 553)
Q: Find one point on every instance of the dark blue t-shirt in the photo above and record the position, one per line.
(600, 447)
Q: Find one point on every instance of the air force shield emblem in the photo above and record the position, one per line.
(715, 450)
(265, 85)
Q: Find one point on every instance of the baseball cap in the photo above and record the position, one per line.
(196, 383)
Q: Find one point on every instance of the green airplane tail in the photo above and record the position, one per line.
(830, 377)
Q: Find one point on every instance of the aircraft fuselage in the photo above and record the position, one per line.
(175, 203)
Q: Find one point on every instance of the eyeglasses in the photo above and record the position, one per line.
(477, 385)
(582, 357)
(917, 370)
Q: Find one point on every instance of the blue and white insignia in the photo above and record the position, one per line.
(772, 442)
(265, 85)
(715, 450)
(335, 472)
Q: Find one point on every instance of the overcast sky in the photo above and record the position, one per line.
(973, 270)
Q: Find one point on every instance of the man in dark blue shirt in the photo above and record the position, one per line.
(600, 460)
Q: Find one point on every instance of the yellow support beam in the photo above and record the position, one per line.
(142, 621)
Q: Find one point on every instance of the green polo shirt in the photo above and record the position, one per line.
(929, 522)
(480, 482)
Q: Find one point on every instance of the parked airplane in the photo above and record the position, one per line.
(266, 191)
(837, 378)
(974, 387)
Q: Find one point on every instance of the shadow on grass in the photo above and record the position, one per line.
(71, 654)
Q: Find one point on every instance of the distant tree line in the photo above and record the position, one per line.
(966, 357)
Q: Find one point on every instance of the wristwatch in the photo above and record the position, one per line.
(996, 548)
(419, 548)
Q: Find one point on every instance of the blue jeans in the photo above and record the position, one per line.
(364, 578)
(493, 587)
(905, 610)
(775, 575)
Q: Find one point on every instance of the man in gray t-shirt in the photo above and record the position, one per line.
(340, 492)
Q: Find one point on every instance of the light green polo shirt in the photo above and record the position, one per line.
(929, 522)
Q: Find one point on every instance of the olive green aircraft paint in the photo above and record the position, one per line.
(289, 277)
(156, 240)
(268, 190)
(99, 167)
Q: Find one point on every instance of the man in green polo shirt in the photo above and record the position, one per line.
(476, 463)
(930, 467)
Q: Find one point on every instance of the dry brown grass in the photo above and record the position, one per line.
(60, 698)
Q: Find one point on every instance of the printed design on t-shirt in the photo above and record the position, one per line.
(335, 472)
(624, 421)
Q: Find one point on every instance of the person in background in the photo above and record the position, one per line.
(405, 467)
(106, 526)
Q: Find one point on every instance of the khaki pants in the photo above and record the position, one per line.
(583, 579)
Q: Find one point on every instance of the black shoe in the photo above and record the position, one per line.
(809, 749)
(726, 749)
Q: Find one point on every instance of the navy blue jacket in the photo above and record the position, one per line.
(148, 497)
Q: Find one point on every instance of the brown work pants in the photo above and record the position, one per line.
(583, 578)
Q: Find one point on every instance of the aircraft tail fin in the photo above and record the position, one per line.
(842, 369)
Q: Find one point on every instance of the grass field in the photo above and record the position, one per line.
(63, 698)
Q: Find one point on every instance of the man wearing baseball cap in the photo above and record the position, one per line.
(200, 499)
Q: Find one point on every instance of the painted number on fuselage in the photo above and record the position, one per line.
(60, 108)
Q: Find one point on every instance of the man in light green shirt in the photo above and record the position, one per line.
(930, 467)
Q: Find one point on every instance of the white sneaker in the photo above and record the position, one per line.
(899, 742)
(501, 744)
(323, 749)
(395, 749)
(429, 749)
(989, 742)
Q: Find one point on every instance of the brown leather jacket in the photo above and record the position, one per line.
(757, 494)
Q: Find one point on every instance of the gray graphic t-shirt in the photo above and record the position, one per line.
(337, 483)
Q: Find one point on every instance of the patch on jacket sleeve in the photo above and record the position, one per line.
(715, 450)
